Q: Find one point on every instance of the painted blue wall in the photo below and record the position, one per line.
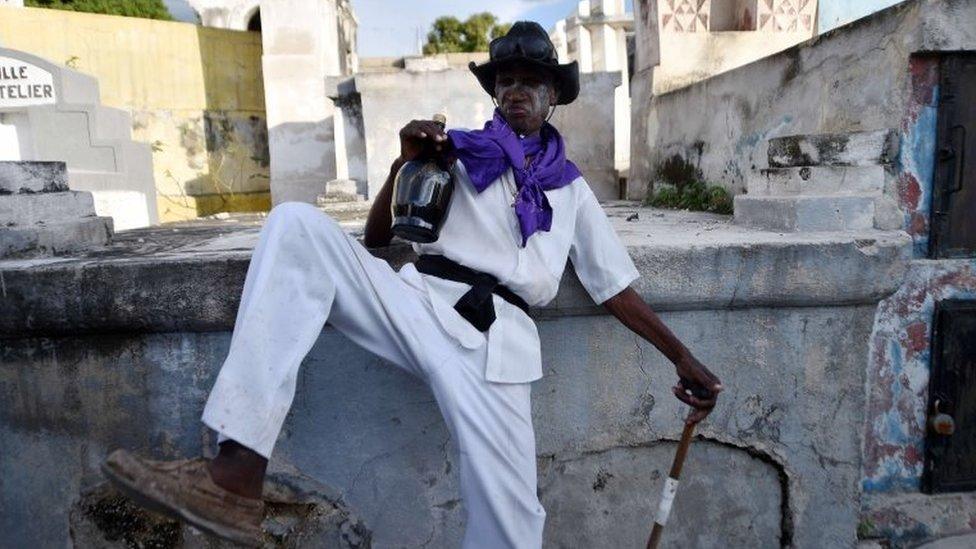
(835, 13)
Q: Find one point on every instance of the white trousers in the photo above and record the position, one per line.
(306, 270)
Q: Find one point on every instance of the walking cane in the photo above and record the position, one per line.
(670, 487)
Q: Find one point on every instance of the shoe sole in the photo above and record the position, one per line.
(173, 512)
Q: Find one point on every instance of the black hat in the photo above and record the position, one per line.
(527, 42)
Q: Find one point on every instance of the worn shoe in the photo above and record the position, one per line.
(184, 490)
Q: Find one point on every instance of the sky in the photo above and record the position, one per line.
(393, 27)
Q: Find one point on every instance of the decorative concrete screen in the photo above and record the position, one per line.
(787, 15)
(684, 15)
(702, 38)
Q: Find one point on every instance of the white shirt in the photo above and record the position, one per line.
(482, 232)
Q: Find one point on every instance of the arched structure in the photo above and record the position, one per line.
(227, 14)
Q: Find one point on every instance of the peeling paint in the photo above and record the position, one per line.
(916, 160)
(898, 372)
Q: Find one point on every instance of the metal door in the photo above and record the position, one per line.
(954, 194)
(950, 445)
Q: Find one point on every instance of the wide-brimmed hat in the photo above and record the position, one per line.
(528, 43)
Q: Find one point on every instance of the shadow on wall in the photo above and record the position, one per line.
(304, 161)
(238, 157)
(225, 147)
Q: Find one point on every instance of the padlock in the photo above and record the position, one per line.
(943, 424)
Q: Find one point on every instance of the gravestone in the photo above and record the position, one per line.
(50, 113)
(39, 215)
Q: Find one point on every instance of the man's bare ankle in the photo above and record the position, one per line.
(238, 469)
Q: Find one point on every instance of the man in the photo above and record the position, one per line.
(456, 319)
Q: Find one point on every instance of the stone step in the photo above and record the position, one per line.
(32, 176)
(344, 186)
(337, 197)
(337, 193)
(839, 149)
(817, 180)
(346, 211)
(28, 209)
(805, 213)
(55, 238)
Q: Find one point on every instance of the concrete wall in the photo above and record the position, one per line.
(589, 129)
(605, 421)
(694, 56)
(703, 38)
(900, 347)
(896, 413)
(853, 78)
(878, 72)
(301, 50)
(777, 463)
(647, 54)
(195, 94)
(391, 99)
(595, 36)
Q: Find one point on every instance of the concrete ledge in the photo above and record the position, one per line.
(842, 149)
(28, 209)
(55, 238)
(190, 278)
(817, 180)
(32, 176)
(806, 213)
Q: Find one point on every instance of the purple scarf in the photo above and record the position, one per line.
(487, 153)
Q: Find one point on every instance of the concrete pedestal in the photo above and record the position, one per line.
(40, 216)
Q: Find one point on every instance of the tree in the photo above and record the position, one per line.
(149, 9)
(448, 34)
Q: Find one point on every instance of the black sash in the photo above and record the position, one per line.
(475, 306)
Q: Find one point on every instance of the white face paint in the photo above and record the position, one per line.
(524, 96)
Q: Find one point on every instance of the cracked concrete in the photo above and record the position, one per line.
(726, 498)
(146, 337)
(300, 513)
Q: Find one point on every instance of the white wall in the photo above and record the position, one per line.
(391, 99)
(835, 13)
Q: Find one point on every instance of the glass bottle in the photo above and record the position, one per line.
(422, 194)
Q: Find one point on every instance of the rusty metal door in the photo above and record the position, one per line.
(954, 194)
(950, 444)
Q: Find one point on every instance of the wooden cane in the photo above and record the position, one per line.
(670, 487)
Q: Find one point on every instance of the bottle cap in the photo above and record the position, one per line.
(440, 119)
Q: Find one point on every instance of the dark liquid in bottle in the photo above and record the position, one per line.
(421, 198)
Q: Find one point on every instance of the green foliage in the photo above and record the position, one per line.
(448, 34)
(680, 185)
(149, 9)
(695, 196)
(865, 529)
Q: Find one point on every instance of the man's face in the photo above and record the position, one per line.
(524, 95)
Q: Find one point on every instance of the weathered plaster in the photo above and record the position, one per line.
(782, 318)
(900, 358)
(899, 372)
(603, 411)
(915, 168)
(853, 78)
(907, 519)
